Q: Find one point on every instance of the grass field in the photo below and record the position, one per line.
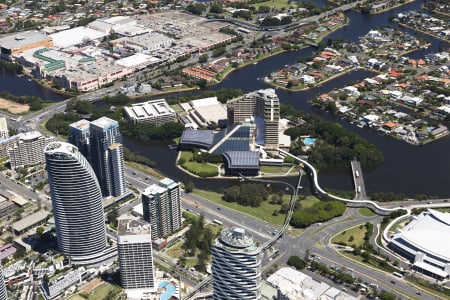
(344, 236)
(372, 262)
(175, 251)
(101, 291)
(264, 212)
(278, 170)
(366, 212)
(200, 169)
(145, 169)
(273, 3)
(76, 297)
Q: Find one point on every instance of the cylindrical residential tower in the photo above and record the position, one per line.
(77, 203)
(236, 266)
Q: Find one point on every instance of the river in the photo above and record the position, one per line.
(407, 169)
(22, 85)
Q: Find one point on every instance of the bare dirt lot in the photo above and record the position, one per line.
(13, 107)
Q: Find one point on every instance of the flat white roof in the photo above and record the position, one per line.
(22, 38)
(149, 109)
(135, 60)
(153, 189)
(75, 36)
(204, 102)
(286, 275)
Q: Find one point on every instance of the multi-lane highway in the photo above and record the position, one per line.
(315, 239)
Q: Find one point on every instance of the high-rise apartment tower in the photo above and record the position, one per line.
(236, 266)
(100, 142)
(135, 257)
(77, 203)
(162, 207)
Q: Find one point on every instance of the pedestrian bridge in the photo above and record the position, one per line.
(361, 202)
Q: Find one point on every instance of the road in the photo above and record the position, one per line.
(358, 179)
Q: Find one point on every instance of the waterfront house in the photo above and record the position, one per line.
(307, 79)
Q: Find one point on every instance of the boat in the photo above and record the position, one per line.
(255, 63)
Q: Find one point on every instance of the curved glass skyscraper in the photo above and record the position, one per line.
(77, 203)
(236, 266)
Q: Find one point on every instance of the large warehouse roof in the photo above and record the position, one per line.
(137, 60)
(22, 39)
(76, 36)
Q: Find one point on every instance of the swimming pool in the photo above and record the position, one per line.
(169, 290)
(309, 141)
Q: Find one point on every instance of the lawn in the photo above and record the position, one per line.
(145, 169)
(200, 169)
(372, 262)
(216, 229)
(264, 212)
(343, 237)
(278, 170)
(76, 297)
(273, 3)
(399, 224)
(175, 251)
(366, 212)
(101, 291)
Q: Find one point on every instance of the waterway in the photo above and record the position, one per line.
(21, 85)
(407, 169)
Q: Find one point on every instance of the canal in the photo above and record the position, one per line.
(407, 169)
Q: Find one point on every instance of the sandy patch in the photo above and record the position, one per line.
(91, 285)
(13, 107)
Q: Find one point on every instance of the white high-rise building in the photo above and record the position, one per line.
(162, 207)
(4, 132)
(135, 257)
(77, 203)
(236, 266)
(28, 150)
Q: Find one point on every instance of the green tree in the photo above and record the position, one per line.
(40, 230)
(296, 262)
(188, 186)
(112, 216)
(203, 58)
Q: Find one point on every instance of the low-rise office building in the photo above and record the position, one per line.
(29, 222)
(156, 112)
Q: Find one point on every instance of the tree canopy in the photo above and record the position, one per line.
(248, 194)
(335, 146)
